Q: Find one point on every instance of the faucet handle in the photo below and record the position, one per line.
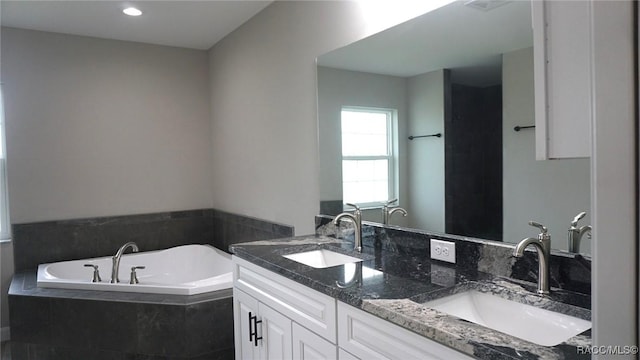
(577, 218)
(543, 229)
(354, 206)
(96, 273)
(134, 277)
(387, 203)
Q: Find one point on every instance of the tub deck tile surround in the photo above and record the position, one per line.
(83, 324)
(398, 276)
(112, 325)
(52, 241)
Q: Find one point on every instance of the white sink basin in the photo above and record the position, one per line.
(322, 258)
(527, 322)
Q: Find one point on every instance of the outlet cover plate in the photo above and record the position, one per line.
(443, 250)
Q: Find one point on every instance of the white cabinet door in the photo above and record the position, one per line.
(563, 81)
(310, 346)
(260, 332)
(275, 331)
(245, 308)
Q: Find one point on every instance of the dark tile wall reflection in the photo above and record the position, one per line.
(570, 272)
(331, 207)
(473, 162)
(51, 241)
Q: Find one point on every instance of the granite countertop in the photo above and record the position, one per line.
(393, 286)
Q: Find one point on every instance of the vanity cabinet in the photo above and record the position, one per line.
(277, 318)
(563, 78)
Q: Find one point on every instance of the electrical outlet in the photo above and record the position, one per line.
(443, 250)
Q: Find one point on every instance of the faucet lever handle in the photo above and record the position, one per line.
(134, 277)
(96, 273)
(577, 218)
(542, 228)
(354, 206)
(387, 203)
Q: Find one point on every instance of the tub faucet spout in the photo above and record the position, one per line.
(116, 260)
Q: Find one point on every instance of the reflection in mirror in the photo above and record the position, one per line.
(468, 75)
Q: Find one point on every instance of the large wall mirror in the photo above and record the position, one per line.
(465, 73)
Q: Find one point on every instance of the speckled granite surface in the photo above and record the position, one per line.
(394, 285)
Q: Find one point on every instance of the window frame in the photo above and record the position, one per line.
(391, 157)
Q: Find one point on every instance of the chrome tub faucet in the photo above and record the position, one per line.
(356, 219)
(116, 260)
(543, 247)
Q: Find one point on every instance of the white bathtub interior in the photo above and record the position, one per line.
(181, 270)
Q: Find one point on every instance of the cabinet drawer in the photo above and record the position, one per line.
(307, 307)
(369, 337)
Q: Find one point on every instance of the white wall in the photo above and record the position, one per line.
(264, 110)
(338, 88)
(101, 127)
(426, 156)
(550, 192)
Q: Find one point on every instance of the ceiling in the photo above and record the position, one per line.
(189, 24)
(458, 37)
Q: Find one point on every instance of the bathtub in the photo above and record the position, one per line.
(181, 270)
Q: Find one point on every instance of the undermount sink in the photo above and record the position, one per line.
(322, 258)
(540, 326)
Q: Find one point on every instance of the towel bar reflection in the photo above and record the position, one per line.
(518, 128)
(423, 136)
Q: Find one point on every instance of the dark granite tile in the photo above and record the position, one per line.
(57, 353)
(227, 354)
(39, 352)
(30, 319)
(52, 241)
(161, 330)
(209, 326)
(18, 351)
(331, 207)
(86, 324)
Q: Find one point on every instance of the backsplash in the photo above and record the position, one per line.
(567, 271)
(51, 241)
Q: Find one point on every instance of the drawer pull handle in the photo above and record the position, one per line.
(253, 329)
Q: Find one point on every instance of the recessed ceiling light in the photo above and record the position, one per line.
(131, 11)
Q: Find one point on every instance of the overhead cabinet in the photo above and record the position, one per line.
(562, 34)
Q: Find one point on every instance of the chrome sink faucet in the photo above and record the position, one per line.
(576, 233)
(116, 260)
(356, 219)
(543, 246)
(388, 211)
